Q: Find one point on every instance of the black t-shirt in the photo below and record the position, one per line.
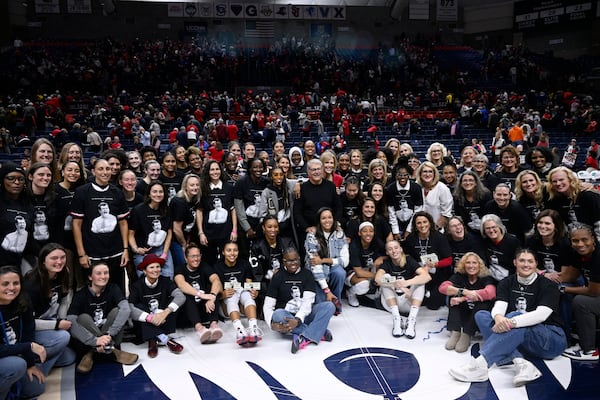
(287, 289)
(500, 256)
(151, 299)
(199, 278)
(462, 281)
(240, 272)
(471, 212)
(248, 191)
(471, 242)
(16, 230)
(586, 209)
(150, 227)
(19, 331)
(589, 267)
(525, 298)
(435, 244)
(381, 225)
(407, 272)
(98, 307)
(364, 258)
(549, 258)
(514, 217)
(62, 229)
(172, 184)
(101, 209)
(184, 212)
(404, 202)
(44, 307)
(44, 216)
(216, 207)
(350, 209)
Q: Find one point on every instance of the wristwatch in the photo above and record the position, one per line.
(513, 323)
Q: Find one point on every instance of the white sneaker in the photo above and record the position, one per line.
(241, 336)
(576, 353)
(410, 332)
(352, 299)
(526, 372)
(255, 334)
(470, 372)
(397, 328)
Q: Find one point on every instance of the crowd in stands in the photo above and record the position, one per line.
(199, 211)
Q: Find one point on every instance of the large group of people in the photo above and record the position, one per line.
(196, 226)
(509, 252)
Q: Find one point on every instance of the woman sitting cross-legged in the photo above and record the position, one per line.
(154, 300)
(523, 321)
(470, 289)
(98, 314)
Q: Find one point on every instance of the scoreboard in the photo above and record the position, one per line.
(554, 13)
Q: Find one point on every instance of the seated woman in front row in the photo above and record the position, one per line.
(22, 358)
(470, 289)
(402, 283)
(154, 300)
(98, 314)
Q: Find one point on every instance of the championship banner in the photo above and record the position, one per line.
(418, 9)
(175, 10)
(79, 6)
(236, 10)
(552, 14)
(447, 10)
(47, 6)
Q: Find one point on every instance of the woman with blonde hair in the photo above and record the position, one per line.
(530, 192)
(436, 153)
(72, 152)
(437, 199)
(329, 160)
(570, 198)
(469, 289)
(394, 145)
(376, 172)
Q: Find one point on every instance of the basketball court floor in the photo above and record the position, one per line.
(363, 362)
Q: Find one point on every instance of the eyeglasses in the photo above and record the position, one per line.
(194, 256)
(12, 178)
(402, 175)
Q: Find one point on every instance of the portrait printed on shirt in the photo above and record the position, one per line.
(15, 241)
(254, 209)
(40, 227)
(157, 237)
(293, 305)
(218, 215)
(106, 222)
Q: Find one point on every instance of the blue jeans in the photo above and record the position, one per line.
(177, 253)
(167, 270)
(314, 324)
(542, 341)
(12, 369)
(55, 343)
(335, 280)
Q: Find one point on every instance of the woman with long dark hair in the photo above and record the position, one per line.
(431, 248)
(327, 256)
(24, 359)
(150, 228)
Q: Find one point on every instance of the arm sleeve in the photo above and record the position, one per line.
(121, 319)
(45, 324)
(446, 202)
(308, 298)
(65, 303)
(240, 211)
(178, 299)
(268, 308)
(487, 293)
(500, 308)
(444, 287)
(393, 220)
(535, 317)
(298, 212)
(445, 262)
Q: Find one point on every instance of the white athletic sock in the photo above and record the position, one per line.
(395, 311)
(414, 310)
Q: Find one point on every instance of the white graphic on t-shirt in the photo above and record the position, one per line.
(405, 213)
(218, 215)
(157, 237)
(106, 222)
(40, 228)
(521, 305)
(15, 241)
(293, 305)
(254, 210)
(99, 319)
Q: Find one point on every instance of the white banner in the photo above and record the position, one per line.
(221, 10)
(251, 11)
(447, 10)
(47, 6)
(418, 9)
(79, 6)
